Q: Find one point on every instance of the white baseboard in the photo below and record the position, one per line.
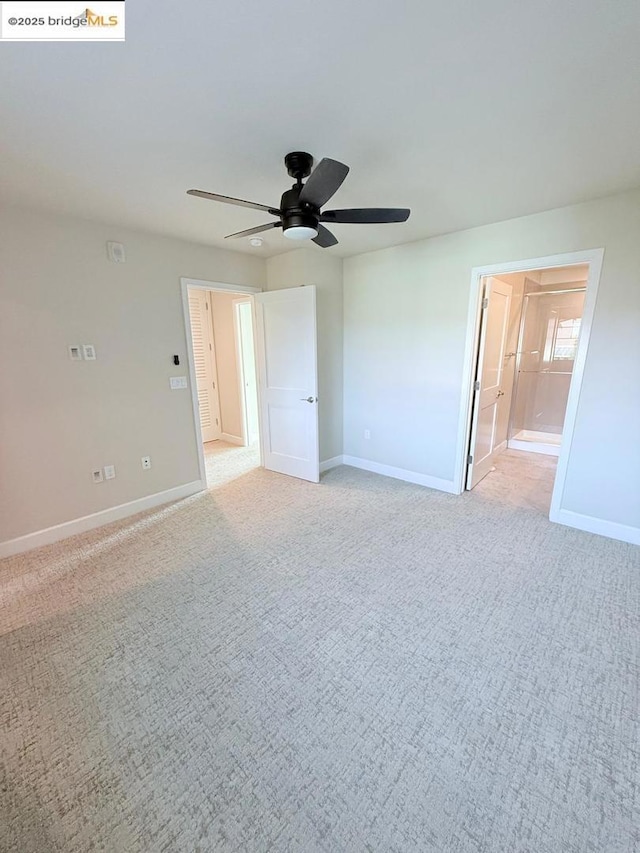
(623, 532)
(331, 463)
(232, 439)
(96, 519)
(402, 474)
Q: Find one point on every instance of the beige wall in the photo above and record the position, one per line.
(405, 329)
(320, 267)
(227, 362)
(59, 419)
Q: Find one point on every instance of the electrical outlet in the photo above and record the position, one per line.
(177, 382)
(367, 433)
(89, 352)
(96, 476)
(146, 462)
(109, 472)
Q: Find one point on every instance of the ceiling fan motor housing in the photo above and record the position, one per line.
(296, 214)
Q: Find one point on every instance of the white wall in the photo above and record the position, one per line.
(59, 419)
(227, 362)
(319, 267)
(405, 323)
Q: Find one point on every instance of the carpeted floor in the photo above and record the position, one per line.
(225, 462)
(363, 665)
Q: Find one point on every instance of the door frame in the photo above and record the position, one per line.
(201, 284)
(592, 257)
(240, 357)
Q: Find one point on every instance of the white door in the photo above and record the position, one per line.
(204, 359)
(288, 381)
(247, 369)
(488, 390)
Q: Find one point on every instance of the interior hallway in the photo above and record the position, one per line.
(224, 462)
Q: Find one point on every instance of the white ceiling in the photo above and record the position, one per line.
(466, 112)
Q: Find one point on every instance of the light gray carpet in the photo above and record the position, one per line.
(363, 665)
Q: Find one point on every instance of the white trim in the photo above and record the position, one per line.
(240, 361)
(594, 258)
(328, 464)
(593, 281)
(200, 284)
(97, 519)
(401, 474)
(233, 439)
(599, 526)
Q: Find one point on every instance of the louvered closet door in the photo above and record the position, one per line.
(205, 363)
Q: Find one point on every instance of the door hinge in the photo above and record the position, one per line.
(476, 385)
(210, 347)
(217, 424)
(469, 459)
(485, 303)
(206, 304)
(214, 384)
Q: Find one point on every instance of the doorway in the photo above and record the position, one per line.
(271, 341)
(528, 334)
(221, 335)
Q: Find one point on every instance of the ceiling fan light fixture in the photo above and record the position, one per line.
(300, 232)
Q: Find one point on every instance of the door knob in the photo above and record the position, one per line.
(309, 399)
(500, 394)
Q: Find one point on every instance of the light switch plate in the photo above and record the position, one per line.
(75, 352)
(177, 382)
(109, 472)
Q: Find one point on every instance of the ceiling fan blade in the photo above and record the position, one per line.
(367, 215)
(325, 238)
(323, 182)
(249, 231)
(239, 201)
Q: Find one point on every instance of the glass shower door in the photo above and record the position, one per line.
(549, 332)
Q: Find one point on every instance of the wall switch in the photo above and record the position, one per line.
(96, 476)
(109, 472)
(146, 462)
(89, 352)
(75, 353)
(367, 433)
(177, 382)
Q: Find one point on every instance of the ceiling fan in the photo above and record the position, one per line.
(299, 214)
